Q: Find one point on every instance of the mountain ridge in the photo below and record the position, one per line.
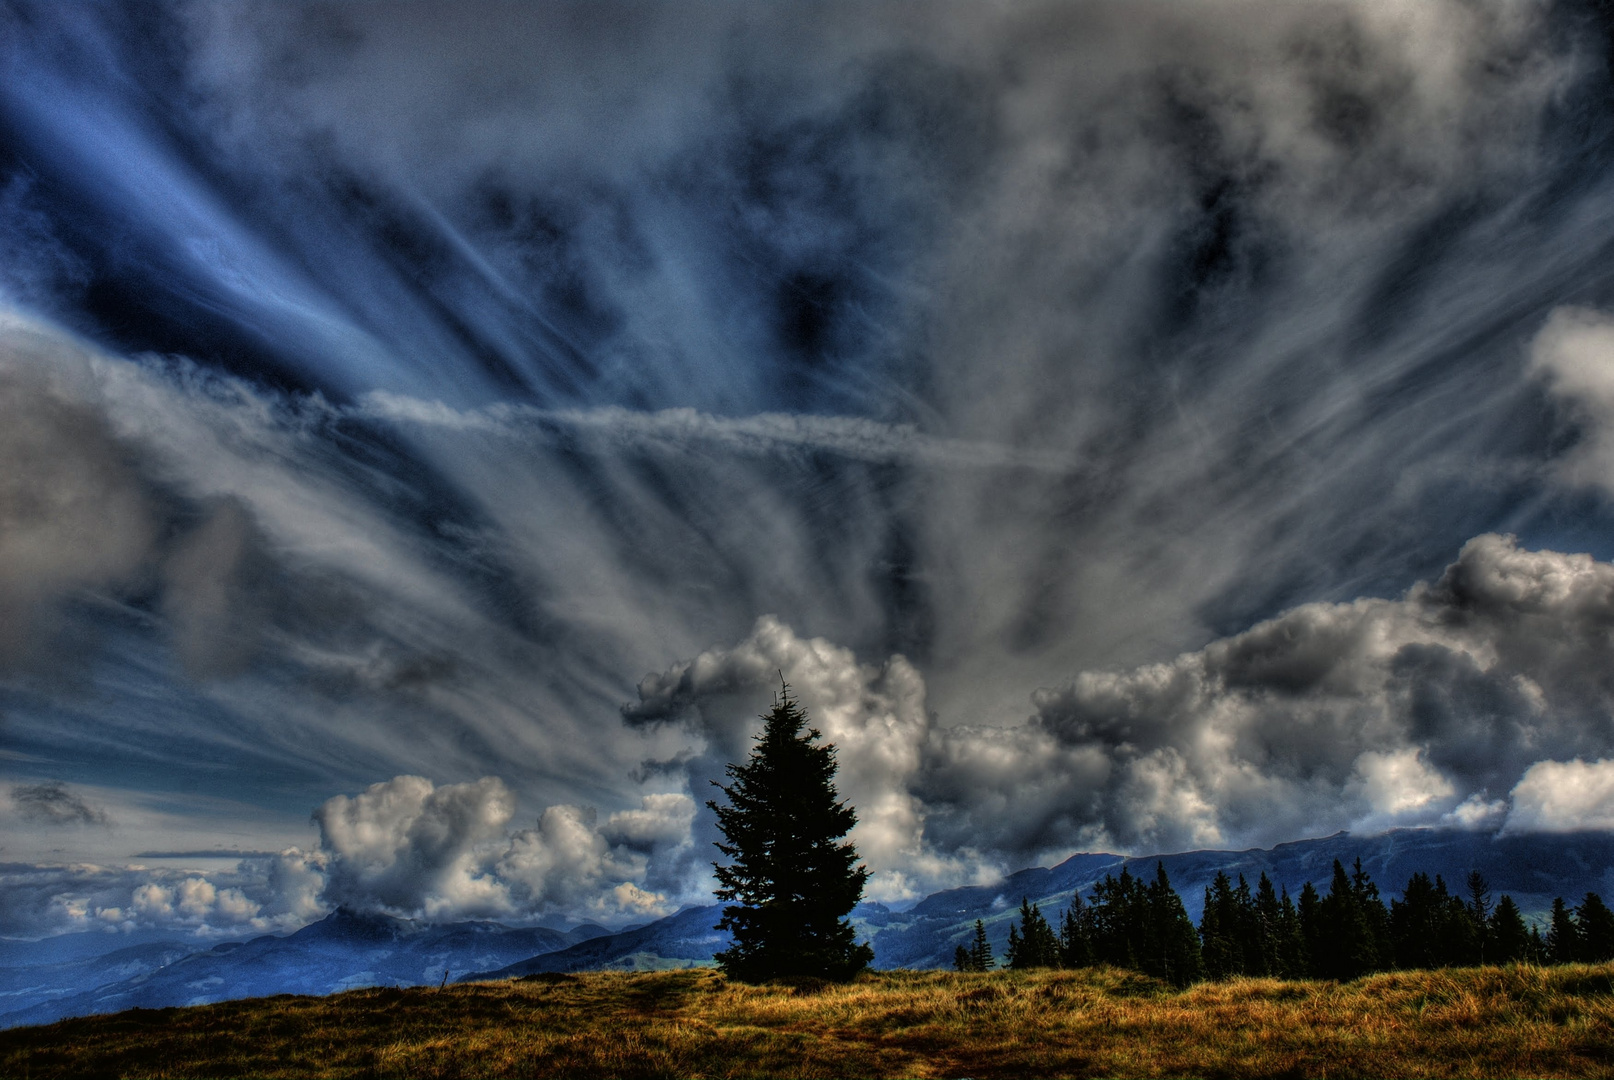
(350, 949)
(345, 950)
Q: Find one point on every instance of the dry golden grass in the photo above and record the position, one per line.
(1515, 1021)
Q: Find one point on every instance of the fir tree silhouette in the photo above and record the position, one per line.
(1034, 944)
(1510, 938)
(792, 878)
(981, 958)
(1596, 925)
(1563, 935)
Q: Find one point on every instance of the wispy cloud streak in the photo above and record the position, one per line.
(385, 390)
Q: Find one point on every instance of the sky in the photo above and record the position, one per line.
(430, 431)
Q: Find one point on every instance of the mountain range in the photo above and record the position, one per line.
(344, 950)
(1532, 869)
(78, 974)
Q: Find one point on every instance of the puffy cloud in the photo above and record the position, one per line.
(153, 901)
(192, 901)
(260, 894)
(413, 848)
(408, 846)
(1426, 709)
(659, 820)
(571, 862)
(564, 860)
(1374, 712)
(294, 886)
(875, 716)
(1564, 796)
(1477, 812)
(405, 846)
(630, 898)
(1014, 794)
(1398, 783)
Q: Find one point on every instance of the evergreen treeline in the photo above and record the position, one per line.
(1350, 931)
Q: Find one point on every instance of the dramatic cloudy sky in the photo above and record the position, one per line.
(1128, 426)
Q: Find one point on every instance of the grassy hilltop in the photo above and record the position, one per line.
(1515, 1021)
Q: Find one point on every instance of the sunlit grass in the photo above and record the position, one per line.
(1514, 1021)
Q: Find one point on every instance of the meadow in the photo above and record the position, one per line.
(1519, 1020)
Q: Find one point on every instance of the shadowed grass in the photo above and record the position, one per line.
(1514, 1021)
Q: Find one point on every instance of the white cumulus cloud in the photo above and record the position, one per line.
(1420, 710)
(874, 715)
(409, 846)
(1564, 796)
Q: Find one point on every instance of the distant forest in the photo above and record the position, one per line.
(1128, 922)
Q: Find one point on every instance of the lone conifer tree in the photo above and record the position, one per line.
(792, 877)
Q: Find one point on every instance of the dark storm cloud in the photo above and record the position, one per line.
(51, 803)
(1392, 709)
(532, 348)
(74, 512)
(206, 576)
(1433, 708)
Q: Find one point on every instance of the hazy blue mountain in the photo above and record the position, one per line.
(343, 951)
(686, 939)
(85, 945)
(27, 984)
(42, 982)
(1532, 869)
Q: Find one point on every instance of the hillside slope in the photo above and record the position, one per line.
(687, 939)
(1519, 1021)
